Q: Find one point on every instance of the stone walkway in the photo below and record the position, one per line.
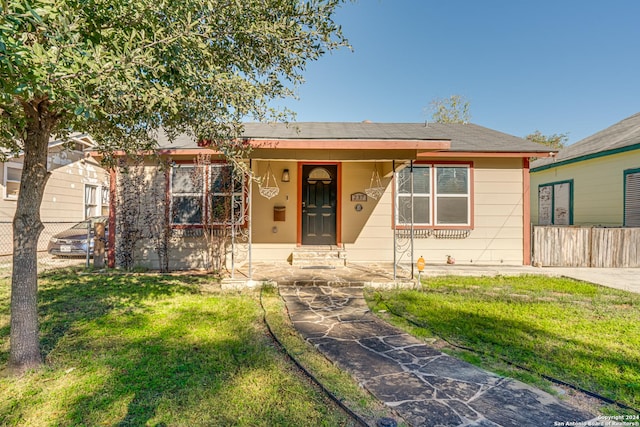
(424, 386)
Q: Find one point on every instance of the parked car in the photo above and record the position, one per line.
(73, 241)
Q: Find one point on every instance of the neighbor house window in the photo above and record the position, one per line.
(555, 203)
(632, 198)
(91, 201)
(12, 175)
(105, 200)
(225, 190)
(434, 195)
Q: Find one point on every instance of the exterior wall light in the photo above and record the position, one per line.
(285, 175)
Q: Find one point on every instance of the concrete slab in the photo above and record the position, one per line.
(381, 275)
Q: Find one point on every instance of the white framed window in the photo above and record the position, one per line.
(452, 195)
(96, 200)
(434, 195)
(11, 180)
(417, 208)
(187, 194)
(91, 201)
(104, 193)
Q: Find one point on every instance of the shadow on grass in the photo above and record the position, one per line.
(598, 365)
(156, 350)
(168, 369)
(64, 298)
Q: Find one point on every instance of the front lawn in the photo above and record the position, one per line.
(155, 350)
(577, 332)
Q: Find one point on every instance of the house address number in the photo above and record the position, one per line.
(358, 197)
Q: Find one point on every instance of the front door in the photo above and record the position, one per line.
(319, 201)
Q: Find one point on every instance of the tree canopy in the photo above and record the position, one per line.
(122, 69)
(454, 109)
(556, 141)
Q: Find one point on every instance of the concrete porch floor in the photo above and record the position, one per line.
(382, 275)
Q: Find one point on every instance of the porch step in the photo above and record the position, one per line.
(327, 256)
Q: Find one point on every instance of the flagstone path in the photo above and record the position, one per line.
(425, 386)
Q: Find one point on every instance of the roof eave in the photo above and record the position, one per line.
(521, 154)
(349, 144)
(589, 156)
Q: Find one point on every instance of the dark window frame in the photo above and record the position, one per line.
(630, 204)
(553, 211)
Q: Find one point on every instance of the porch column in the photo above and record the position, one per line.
(250, 216)
(395, 221)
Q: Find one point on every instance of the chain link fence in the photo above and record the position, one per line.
(46, 261)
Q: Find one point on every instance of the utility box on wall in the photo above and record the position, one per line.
(279, 213)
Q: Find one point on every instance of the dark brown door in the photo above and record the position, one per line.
(319, 197)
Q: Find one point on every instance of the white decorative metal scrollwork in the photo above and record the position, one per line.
(403, 237)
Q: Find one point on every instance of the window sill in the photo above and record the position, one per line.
(436, 233)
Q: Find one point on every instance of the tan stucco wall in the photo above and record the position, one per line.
(598, 186)
(265, 229)
(497, 237)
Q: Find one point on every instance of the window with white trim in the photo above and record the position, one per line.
(434, 195)
(187, 194)
(105, 200)
(632, 198)
(555, 203)
(11, 181)
(91, 201)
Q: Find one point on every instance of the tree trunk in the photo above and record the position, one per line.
(24, 350)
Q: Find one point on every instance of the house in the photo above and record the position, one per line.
(77, 189)
(316, 193)
(595, 181)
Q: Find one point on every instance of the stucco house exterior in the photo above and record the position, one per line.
(77, 189)
(330, 192)
(595, 181)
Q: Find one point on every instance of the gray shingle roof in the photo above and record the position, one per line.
(623, 134)
(463, 137)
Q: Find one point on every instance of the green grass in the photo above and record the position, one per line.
(580, 333)
(339, 383)
(155, 350)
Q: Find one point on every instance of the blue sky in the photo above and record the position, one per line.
(558, 66)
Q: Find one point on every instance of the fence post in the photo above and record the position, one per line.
(98, 245)
(590, 246)
(88, 241)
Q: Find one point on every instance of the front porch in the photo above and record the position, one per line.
(284, 274)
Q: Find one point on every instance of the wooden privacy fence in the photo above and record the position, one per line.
(576, 246)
